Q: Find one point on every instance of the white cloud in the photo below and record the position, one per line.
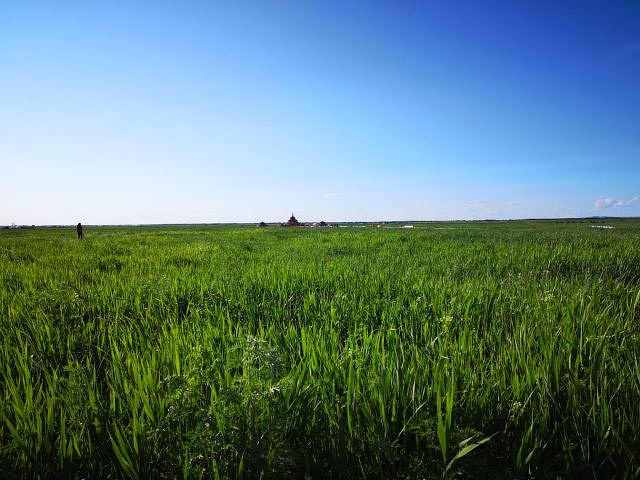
(603, 203)
(633, 200)
(627, 203)
(610, 202)
(330, 195)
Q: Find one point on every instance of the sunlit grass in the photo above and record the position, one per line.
(496, 350)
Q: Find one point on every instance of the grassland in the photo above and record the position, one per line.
(474, 350)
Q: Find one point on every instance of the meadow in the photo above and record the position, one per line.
(451, 350)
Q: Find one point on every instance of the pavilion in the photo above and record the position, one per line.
(292, 222)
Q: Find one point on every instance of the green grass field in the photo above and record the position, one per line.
(468, 350)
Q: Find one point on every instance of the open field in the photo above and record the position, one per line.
(155, 352)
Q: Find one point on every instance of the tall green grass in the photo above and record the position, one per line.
(484, 350)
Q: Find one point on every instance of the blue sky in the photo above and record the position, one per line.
(154, 112)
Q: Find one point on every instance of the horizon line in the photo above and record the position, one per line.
(335, 222)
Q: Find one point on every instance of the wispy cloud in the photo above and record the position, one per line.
(330, 195)
(601, 203)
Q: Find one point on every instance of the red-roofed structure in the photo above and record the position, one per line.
(292, 222)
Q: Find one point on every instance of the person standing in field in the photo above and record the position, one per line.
(79, 230)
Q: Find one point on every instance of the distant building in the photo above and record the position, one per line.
(292, 222)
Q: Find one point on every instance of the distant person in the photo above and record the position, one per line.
(79, 230)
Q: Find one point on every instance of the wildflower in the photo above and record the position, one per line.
(274, 391)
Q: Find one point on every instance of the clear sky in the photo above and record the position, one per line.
(160, 112)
